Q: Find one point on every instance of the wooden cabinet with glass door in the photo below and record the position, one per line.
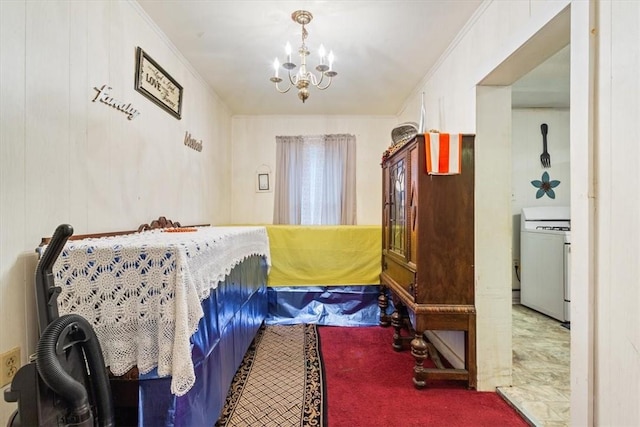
(427, 257)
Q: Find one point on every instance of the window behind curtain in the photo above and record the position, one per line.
(315, 180)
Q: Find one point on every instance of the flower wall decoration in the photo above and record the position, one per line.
(545, 186)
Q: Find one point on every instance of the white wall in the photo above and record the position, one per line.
(66, 159)
(493, 236)
(254, 146)
(617, 221)
(526, 147)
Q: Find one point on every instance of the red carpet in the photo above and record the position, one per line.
(369, 384)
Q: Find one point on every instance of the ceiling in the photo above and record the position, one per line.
(546, 86)
(383, 49)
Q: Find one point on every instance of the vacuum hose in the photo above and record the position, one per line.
(46, 290)
(79, 331)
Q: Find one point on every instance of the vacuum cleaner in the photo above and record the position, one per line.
(66, 382)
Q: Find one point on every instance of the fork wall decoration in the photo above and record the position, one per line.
(545, 157)
(545, 186)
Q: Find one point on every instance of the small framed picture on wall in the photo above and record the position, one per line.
(263, 182)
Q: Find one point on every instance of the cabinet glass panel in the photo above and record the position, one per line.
(397, 218)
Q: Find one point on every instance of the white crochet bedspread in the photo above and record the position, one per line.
(142, 292)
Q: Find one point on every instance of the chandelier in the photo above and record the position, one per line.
(304, 78)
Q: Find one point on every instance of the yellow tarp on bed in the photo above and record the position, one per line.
(324, 255)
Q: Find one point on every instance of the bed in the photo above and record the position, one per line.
(327, 275)
(174, 308)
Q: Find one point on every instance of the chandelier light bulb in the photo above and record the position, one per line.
(275, 79)
(304, 78)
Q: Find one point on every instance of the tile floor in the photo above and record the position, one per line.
(541, 384)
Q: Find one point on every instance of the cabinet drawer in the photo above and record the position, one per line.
(400, 273)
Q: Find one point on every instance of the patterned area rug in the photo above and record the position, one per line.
(280, 382)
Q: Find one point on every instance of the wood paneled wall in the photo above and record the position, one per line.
(67, 159)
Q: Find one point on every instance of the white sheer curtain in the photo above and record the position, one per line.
(315, 180)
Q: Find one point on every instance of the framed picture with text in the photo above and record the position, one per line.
(156, 84)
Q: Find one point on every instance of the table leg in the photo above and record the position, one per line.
(383, 303)
(419, 351)
(397, 322)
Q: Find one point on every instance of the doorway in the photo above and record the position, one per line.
(540, 387)
(494, 145)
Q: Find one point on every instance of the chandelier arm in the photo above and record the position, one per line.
(319, 83)
(314, 79)
(325, 87)
(292, 79)
(283, 91)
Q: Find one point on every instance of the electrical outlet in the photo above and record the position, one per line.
(9, 365)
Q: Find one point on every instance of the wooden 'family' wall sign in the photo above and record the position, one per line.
(104, 97)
